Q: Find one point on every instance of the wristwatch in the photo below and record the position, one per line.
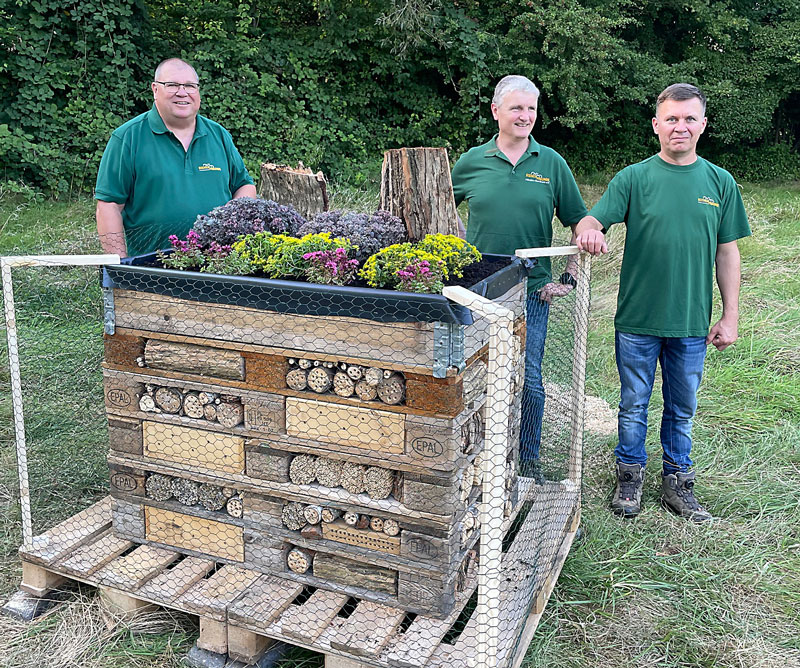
(568, 279)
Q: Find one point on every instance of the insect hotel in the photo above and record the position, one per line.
(327, 466)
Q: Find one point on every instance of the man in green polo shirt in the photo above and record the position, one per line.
(683, 215)
(163, 168)
(513, 185)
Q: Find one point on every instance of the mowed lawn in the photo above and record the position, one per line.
(654, 591)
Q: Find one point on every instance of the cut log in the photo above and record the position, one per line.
(365, 391)
(351, 518)
(304, 363)
(230, 413)
(376, 524)
(234, 507)
(303, 469)
(329, 472)
(210, 412)
(343, 385)
(320, 379)
(207, 397)
(147, 404)
(330, 514)
(362, 522)
(186, 491)
(311, 531)
(353, 477)
(379, 482)
(200, 360)
(373, 375)
(292, 516)
(305, 191)
(392, 389)
(391, 527)
(168, 400)
(416, 187)
(297, 379)
(354, 371)
(158, 487)
(299, 560)
(212, 497)
(192, 406)
(313, 514)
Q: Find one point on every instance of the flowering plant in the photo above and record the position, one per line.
(368, 233)
(331, 267)
(420, 276)
(246, 215)
(186, 254)
(456, 253)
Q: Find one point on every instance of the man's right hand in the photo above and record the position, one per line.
(589, 236)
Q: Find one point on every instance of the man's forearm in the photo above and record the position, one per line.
(247, 190)
(110, 228)
(729, 279)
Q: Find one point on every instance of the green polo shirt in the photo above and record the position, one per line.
(676, 216)
(164, 187)
(511, 206)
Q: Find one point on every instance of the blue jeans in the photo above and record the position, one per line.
(681, 362)
(530, 433)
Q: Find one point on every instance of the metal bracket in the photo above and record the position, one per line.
(448, 348)
(109, 317)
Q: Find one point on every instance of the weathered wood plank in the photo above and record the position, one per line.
(355, 574)
(375, 430)
(307, 621)
(133, 570)
(91, 557)
(182, 531)
(211, 597)
(185, 445)
(367, 631)
(50, 546)
(188, 358)
(168, 585)
(263, 601)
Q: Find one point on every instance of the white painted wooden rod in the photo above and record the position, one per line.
(547, 251)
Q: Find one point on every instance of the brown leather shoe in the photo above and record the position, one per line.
(627, 500)
(678, 497)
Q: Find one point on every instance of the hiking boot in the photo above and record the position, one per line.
(678, 496)
(627, 499)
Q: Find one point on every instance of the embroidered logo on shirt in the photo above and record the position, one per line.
(535, 177)
(208, 167)
(707, 200)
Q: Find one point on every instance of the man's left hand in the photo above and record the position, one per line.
(723, 334)
(551, 290)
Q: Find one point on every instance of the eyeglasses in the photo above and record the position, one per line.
(174, 87)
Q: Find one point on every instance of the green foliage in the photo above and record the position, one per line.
(334, 83)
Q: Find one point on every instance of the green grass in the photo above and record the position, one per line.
(654, 591)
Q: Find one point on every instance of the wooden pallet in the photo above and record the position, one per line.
(242, 611)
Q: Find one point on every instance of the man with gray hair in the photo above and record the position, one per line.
(163, 168)
(513, 186)
(683, 216)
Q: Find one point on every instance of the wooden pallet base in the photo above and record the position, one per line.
(243, 612)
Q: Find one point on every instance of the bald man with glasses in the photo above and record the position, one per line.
(162, 169)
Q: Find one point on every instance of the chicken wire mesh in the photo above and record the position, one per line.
(397, 490)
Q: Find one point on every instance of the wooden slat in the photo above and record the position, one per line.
(367, 631)
(348, 425)
(184, 445)
(133, 570)
(173, 582)
(306, 622)
(263, 601)
(218, 539)
(91, 557)
(211, 597)
(65, 537)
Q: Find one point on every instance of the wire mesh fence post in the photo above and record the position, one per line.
(579, 367)
(498, 403)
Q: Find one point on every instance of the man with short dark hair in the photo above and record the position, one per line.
(163, 168)
(683, 215)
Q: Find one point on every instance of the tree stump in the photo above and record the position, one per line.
(212, 497)
(192, 406)
(169, 400)
(329, 472)
(416, 187)
(305, 191)
(343, 385)
(392, 390)
(303, 469)
(299, 560)
(292, 516)
(320, 379)
(158, 487)
(353, 477)
(297, 379)
(378, 482)
(186, 491)
(365, 391)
